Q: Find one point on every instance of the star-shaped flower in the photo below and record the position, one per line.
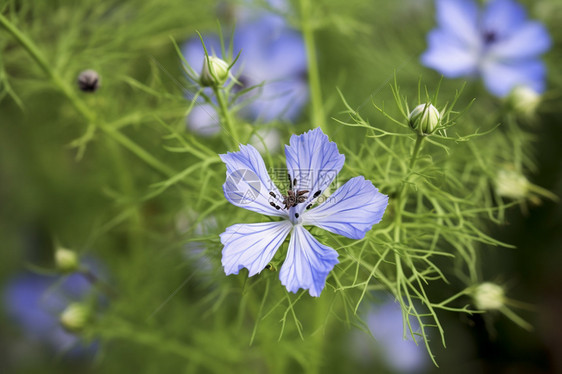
(312, 164)
(498, 43)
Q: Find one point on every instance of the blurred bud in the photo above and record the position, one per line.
(75, 317)
(89, 81)
(488, 296)
(524, 100)
(66, 260)
(424, 119)
(214, 72)
(511, 184)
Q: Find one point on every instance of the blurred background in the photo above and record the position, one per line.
(159, 304)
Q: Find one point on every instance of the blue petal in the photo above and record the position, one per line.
(351, 211)
(248, 185)
(449, 56)
(308, 263)
(528, 41)
(503, 17)
(278, 100)
(501, 78)
(314, 162)
(252, 246)
(459, 18)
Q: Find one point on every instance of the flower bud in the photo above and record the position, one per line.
(66, 260)
(424, 119)
(75, 317)
(214, 73)
(89, 81)
(524, 101)
(511, 184)
(488, 296)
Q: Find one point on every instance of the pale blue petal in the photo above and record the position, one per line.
(501, 78)
(449, 56)
(351, 211)
(528, 41)
(308, 263)
(252, 246)
(503, 17)
(314, 162)
(460, 19)
(248, 184)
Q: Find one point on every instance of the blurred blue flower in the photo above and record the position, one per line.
(273, 56)
(498, 43)
(34, 302)
(313, 162)
(397, 352)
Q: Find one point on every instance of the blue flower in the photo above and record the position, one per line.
(498, 43)
(35, 302)
(272, 55)
(312, 164)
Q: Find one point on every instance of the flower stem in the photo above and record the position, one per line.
(78, 104)
(317, 114)
(227, 119)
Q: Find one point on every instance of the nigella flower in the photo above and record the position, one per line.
(273, 56)
(498, 43)
(312, 164)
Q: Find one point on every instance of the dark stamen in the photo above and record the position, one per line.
(295, 182)
(296, 215)
(277, 207)
(300, 193)
(309, 206)
(290, 184)
(272, 195)
(316, 194)
(272, 204)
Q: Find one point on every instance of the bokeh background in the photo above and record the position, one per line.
(94, 199)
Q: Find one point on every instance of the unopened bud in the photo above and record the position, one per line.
(488, 296)
(75, 317)
(511, 184)
(66, 260)
(424, 119)
(89, 81)
(214, 72)
(524, 100)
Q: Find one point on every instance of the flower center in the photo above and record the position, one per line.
(293, 197)
(490, 37)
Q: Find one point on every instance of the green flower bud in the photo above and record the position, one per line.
(488, 296)
(66, 260)
(75, 317)
(424, 119)
(216, 75)
(524, 101)
(511, 184)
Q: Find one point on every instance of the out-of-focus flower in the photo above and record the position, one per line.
(273, 58)
(35, 302)
(313, 162)
(424, 119)
(498, 43)
(266, 139)
(397, 352)
(489, 296)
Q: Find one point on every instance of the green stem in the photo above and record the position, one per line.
(78, 104)
(227, 119)
(318, 115)
(401, 199)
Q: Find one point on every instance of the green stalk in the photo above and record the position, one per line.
(227, 119)
(318, 116)
(78, 104)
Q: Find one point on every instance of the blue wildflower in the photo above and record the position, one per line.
(35, 302)
(498, 43)
(272, 56)
(312, 164)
